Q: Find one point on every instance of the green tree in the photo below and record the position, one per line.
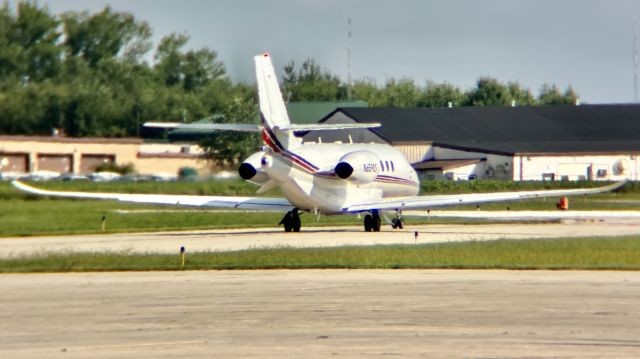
(521, 96)
(551, 95)
(366, 90)
(191, 70)
(489, 92)
(169, 58)
(310, 83)
(29, 48)
(399, 93)
(440, 95)
(106, 35)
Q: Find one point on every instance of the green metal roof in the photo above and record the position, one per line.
(312, 112)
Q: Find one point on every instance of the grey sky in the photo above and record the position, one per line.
(584, 43)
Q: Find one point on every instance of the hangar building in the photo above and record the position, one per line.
(24, 154)
(586, 142)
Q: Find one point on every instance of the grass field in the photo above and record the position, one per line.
(26, 215)
(580, 253)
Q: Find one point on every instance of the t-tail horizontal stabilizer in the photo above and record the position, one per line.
(245, 127)
(333, 126)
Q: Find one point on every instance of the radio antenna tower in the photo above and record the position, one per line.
(636, 61)
(349, 59)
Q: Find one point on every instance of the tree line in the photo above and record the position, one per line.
(99, 74)
(310, 83)
(87, 74)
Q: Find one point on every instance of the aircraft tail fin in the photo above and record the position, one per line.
(273, 112)
(272, 108)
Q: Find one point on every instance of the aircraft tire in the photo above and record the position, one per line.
(288, 222)
(368, 223)
(397, 223)
(376, 222)
(295, 222)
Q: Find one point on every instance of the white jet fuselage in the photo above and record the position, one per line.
(307, 175)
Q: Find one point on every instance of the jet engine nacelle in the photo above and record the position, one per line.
(251, 169)
(358, 167)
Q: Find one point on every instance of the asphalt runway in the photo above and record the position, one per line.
(238, 239)
(320, 314)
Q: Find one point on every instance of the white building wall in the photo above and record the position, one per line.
(581, 167)
(463, 173)
(495, 166)
(416, 153)
(594, 167)
(449, 154)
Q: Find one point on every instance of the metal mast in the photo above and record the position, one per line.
(636, 61)
(349, 59)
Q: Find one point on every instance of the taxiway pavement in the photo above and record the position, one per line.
(320, 314)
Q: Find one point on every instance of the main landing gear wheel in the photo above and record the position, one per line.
(372, 222)
(291, 221)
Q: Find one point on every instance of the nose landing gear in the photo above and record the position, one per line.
(398, 222)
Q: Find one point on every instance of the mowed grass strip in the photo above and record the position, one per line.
(27, 215)
(616, 253)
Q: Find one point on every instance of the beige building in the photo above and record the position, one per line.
(23, 154)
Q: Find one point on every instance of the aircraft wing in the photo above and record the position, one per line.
(576, 215)
(435, 201)
(252, 203)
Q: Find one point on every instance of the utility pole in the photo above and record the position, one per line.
(349, 59)
(636, 61)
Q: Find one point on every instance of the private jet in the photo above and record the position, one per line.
(319, 178)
